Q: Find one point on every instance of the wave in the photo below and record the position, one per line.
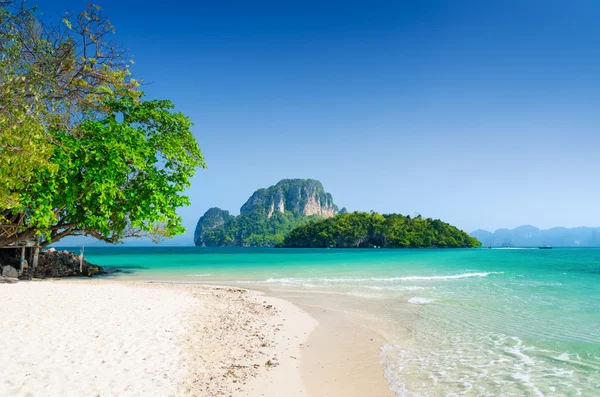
(200, 275)
(473, 363)
(452, 277)
(526, 380)
(392, 370)
(396, 288)
(420, 301)
(384, 279)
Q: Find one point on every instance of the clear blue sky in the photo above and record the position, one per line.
(485, 114)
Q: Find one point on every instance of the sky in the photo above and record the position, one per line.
(483, 114)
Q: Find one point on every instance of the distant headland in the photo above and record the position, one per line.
(531, 236)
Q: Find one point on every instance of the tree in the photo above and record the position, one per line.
(80, 151)
(361, 229)
(52, 76)
(113, 179)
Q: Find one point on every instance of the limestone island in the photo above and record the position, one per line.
(298, 213)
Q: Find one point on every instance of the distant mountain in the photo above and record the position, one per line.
(531, 236)
(267, 216)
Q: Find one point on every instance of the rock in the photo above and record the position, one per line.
(268, 215)
(211, 219)
(51, 249)
(62, 264)
(9, 271)
(303, 197)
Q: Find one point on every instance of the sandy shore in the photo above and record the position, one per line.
(105, 338)
(341, 357)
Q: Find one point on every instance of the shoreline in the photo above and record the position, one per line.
(342, 356)
(180, 339)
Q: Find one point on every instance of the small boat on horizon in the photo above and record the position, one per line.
(545, 247)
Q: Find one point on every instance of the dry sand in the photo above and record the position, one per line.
(104, 338)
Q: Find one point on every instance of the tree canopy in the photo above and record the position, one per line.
(254, 229)
(363, 230)
(81, 151)
(53, 75)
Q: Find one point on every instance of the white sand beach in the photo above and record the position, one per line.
(106, 338)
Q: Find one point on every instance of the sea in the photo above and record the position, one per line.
(458, 322)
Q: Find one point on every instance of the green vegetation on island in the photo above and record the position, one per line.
(365, 230)
(267, 216)
(251, 230)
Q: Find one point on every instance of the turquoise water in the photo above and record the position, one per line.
(510, 322)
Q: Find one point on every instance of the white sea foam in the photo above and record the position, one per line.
(396, 288)
(392, 369)
(420, 301)
(452, 277)
(526, 379)
(285, 280)
(335, 280)
(200, 275)
(517, 349)
(522, 356)
(478, 364)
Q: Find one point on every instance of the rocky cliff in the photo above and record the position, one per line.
(267, 215)
(301, 197)
(212, 219)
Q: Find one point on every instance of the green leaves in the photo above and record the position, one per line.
(118, 179)
(50, 79)
(80, 152)
(218, 228)
(361, 229)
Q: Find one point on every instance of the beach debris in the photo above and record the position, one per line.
(8, 280)
(228, 289)
(250, 335)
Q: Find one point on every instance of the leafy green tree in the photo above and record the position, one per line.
(361, 230)
(80, 151)
(119, 176)
(52, 76)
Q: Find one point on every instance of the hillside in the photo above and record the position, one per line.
(267, 216)
(531, 236)
(364, 230)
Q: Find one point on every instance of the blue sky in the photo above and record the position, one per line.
(484, 114)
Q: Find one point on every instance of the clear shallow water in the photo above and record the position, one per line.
(480, 322)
